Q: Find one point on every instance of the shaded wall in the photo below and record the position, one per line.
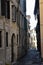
(36, 13)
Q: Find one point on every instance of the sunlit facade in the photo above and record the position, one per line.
(41, 25)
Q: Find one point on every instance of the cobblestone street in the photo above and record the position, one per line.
(32, 58)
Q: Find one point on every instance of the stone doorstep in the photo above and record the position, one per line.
(29, 62)
(13, 63)
(1, 63)
(42, 62)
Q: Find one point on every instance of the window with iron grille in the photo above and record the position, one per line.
(5, 8)
(0, 39)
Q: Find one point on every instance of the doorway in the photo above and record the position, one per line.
(12, 47)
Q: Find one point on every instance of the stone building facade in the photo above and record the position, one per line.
(22, 27)
(12, 32)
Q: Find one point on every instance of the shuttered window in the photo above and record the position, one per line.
(5, 8)
(8, 9)
(13, 13)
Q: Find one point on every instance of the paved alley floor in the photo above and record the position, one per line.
(32, 58)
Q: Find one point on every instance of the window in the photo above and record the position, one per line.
(13, 13)
(6, 39)
(31, 39)
(29, 34)
(5, 8)
(0, 39)
(8, 9)
(17, 38)
(17, 1)
(18, 18)
(34, 37)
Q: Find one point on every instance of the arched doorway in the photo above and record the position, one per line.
(12, 47)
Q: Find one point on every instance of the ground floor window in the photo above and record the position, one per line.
(0, 38)
(6, 39)
(17, 38)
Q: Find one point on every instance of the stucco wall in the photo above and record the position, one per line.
(41, 25)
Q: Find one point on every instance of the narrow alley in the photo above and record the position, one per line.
(32, 58)
(21, 32)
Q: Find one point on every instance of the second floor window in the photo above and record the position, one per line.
(13, 13)
(8, 9)
(5, 8)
